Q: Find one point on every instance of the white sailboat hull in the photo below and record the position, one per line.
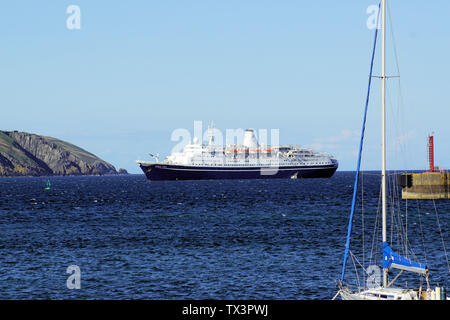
(390, 294)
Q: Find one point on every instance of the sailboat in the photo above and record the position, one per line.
(390, 259)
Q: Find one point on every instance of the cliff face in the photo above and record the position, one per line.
(25, 154)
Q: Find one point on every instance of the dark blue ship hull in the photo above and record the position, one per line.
(177, 172)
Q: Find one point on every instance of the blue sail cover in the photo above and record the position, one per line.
(392, 259)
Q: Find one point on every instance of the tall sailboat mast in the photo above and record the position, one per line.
(383, 131)
(391, 259)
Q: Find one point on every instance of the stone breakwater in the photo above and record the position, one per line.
(426, 185)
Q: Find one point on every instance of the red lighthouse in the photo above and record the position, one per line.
(431, 153)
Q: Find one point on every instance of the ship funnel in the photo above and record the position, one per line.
(250, 140)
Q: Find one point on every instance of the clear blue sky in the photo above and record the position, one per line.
(137, 70)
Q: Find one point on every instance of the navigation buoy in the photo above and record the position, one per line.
(48, 185)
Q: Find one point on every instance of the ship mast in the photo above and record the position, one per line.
(383, 131)
(211, 133)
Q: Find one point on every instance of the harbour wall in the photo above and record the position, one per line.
(425, 185)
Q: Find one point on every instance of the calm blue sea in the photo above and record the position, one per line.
(136, 239)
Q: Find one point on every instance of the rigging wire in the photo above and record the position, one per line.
(355, 187)
(398, 224)
(402, 136)
(440, 231)
(362, 223)
(406, 152)
(421, 232)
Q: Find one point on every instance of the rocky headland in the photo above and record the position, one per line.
(27, 154)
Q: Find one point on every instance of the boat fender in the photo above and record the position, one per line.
(438, 294)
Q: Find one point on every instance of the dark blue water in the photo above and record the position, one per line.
(135, 239)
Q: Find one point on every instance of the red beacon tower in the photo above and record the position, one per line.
(430, 148)
(431, 153)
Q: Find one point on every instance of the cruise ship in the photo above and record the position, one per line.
(246, 161)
